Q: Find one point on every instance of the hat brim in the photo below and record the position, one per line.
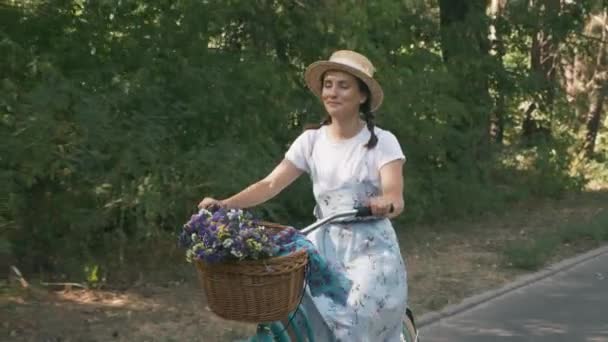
(315, 71)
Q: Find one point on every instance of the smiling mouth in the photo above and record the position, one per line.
(333, 103)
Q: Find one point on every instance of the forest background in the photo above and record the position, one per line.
(118, 116)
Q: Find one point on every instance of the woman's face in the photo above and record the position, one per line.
(341, 94)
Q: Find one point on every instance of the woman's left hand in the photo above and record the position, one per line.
(380, 206)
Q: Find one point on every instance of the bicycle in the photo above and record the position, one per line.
(278, 332)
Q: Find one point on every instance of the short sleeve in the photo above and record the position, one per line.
(300, 150)
(389, 149)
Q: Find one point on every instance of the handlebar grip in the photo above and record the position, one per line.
(367, 211)
(363, 212)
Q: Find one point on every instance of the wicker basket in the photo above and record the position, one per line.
(254, 291)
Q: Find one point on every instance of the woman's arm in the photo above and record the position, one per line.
(283, 175)
(391, 182)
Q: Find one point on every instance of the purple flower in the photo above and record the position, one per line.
(221, 235)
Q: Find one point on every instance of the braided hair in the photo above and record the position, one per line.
(364, 109)
(368, 115)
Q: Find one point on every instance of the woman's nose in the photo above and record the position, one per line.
(330, 91)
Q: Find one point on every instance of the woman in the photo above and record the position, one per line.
(351, 163)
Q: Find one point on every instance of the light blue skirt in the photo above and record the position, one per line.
(369, 254)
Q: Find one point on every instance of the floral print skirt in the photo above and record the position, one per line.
(368, 252)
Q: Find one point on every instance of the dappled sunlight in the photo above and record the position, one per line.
(596, 186)
(476, 328)
(108, 299)
(544, 328)
(491, 328)
(601, 337)
(147, 312)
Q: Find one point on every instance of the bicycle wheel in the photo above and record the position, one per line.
(409, 333)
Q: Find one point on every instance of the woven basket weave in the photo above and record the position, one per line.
(254, 291)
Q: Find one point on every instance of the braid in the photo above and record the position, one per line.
(368, 116)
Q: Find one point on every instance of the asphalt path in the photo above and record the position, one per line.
(565, 302)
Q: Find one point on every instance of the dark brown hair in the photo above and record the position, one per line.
(364, 109)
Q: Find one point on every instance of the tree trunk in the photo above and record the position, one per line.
(575, 77)
(452, 12)
(497, 120)
(543, 65)
(597, 95)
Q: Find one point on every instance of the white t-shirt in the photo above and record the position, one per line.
(334, 164)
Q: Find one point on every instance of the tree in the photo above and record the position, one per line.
(598, 86)
(465, 50)
(585, 73)
(543, 64)
(499, 49)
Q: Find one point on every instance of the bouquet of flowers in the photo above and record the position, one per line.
(221, 234)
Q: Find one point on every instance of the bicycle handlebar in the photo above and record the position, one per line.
(356, 212)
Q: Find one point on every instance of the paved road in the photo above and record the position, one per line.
(571, 305)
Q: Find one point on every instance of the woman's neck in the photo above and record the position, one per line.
(345, 129)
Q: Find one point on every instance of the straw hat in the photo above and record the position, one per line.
(351, 62)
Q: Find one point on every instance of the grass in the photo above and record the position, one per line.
(533, 253)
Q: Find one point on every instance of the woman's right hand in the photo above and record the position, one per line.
(208, 202)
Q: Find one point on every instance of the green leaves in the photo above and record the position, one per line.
(117, 117)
